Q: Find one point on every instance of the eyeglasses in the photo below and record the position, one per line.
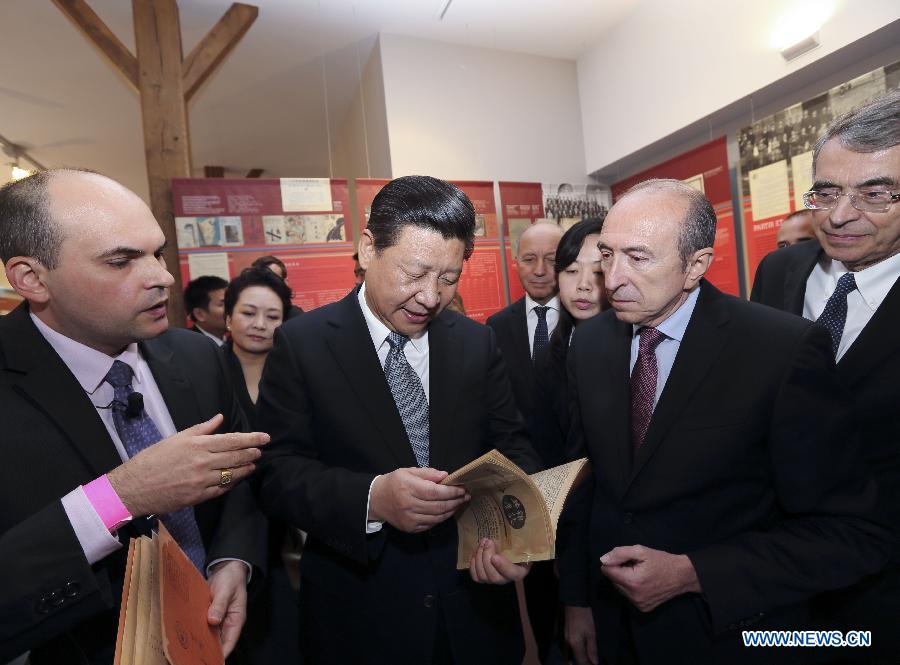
(870, 201)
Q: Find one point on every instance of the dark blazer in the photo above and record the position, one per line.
(52, 440)
(511, 328)
(749, 467)
(236, 372)
(548, 422)
(869, 371)
(382, 598)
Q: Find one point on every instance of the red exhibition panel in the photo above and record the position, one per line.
(481, 284)
(224, 224)
(522, 203)
(705, 167)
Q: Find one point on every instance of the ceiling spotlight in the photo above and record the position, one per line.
(799, 48)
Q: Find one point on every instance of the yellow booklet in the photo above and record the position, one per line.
(519, 512)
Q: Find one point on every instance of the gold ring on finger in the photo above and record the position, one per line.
(226, 478)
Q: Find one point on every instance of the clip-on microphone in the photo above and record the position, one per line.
(135, 405)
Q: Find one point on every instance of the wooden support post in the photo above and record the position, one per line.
(157, 38)
(165, 81)
(215, 45)
(96, 31)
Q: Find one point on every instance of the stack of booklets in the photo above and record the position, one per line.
(164, 604)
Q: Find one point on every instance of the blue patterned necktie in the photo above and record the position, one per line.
(140, 432)
(834, 316)
(541, 334)
(406, 387)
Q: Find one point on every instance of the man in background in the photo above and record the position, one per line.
(204, 302)
(359, 273)
(101, 405)
(523, 329)
(277, 266)
(847, 279)
(796, 227)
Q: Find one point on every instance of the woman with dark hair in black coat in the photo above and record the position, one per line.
(582, 296)
(256, 303)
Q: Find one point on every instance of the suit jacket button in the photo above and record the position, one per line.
(428, 600)
(41, 606)
(628, 518)
(71, 590)
(56, 598)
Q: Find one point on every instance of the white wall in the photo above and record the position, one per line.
(361, 147)
(668, 65)
(468, 113)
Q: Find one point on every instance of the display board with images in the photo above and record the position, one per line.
(705, 168)
(224, 224)
(481, 284)
(776, 156)
(522, 204)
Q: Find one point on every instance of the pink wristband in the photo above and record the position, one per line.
(106, 503)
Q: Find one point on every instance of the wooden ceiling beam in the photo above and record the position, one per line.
(97, 32)
(216, 45)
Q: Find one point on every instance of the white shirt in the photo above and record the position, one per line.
(872, 286)
(673, 328)
(531, 318)
(89, 367)
(416, 352)
(218, 340)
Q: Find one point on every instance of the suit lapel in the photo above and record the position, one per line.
(351, 346)
(873, 343)
(48, 384)
(796, 275)
(703, 341)
(174, 386)
(519, 334)
(445, 354)
(618, 361)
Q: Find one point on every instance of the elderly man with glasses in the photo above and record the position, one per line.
(848, 281)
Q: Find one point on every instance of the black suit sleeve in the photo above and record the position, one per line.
(572, 534)
(41, 556)
(506, 430)
(242, 528)
(295, 485)
(756, 292)
(832, 528)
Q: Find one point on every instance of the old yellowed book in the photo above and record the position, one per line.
(519, 512)
(164, 604)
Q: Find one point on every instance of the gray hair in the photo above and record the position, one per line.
(698, 229)
(868, 128)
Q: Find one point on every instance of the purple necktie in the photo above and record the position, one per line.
(643, 385)
(140, 432)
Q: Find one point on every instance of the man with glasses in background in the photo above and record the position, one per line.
(848, 281)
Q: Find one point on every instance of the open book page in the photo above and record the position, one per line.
(148, 649)
(554, 485)
(131, 611)
(118, 658)
(506, 507)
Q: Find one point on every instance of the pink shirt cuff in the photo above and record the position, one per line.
(106, 503)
